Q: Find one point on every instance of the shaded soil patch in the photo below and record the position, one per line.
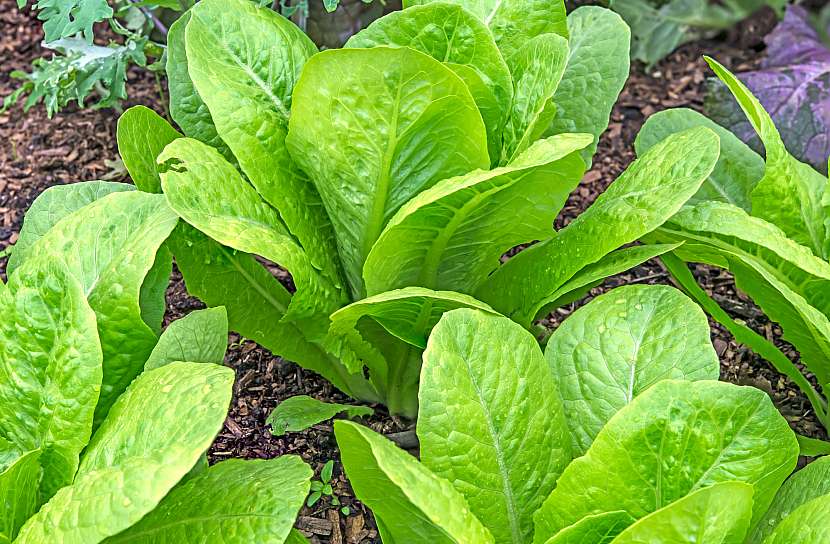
(37, 153)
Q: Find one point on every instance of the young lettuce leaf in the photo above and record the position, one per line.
(300, 412)
(198, 337)
(19, 482)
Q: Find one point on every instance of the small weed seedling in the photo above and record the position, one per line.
(323, 487)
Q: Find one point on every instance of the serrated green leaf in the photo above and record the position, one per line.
(19, 484)
(454, 36)
(537, 69)
(738, 169)
(650, 191)
(596, 71)
(387, 123)
(435, 239)
(54, 204)
(219, 505)
(110, 246)
(809, 483)
(187, 108)
(300, 412)
(486, 375)
(410, 503)
(151, 438)
(142, 135)
(594, 529)
(673, 439)
(619, 345)
(210, 194)
(244, 62)
(198, 337)
(516, 22)
(65, 18)
(718, 514)
(50, 368)
(790, 193)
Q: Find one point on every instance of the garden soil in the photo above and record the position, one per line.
(37, 152)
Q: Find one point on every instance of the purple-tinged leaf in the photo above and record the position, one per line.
(793, 85)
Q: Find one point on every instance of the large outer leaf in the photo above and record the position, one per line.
(452, 35)
(18, 494)
(597, 529)
(675, 438)
(738, 169)
(490, 420)
(54, 204)
(452, 235)
(622, 343)
(410, 503)
(198, 337)
(210, 194)
(537, 69)
(50, 368)
(386, 333)
(789, 195)
(244, 61)
(514, 22)
(142, 134)
(811, 482)
(373, 128)
(110, 246)
(256, 303)
(154, 434)
(718, 514)
(186, 106)
(595, 74)
(233, 501)
(808, 524)
(650, 191)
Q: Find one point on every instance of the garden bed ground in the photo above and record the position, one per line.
(37, 152)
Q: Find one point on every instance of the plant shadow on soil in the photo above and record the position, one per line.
(80, 145)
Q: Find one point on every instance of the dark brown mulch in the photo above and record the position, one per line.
(36, 153)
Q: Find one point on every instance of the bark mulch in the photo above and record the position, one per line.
(37, 152)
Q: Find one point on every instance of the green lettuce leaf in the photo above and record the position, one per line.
(790, 193)
(154, 434)
(537, 69)
(486, 375)
(738, 170)
(811, 482)
(808, 523)
(219, 505)
(514, 22)
(198, 337)
(673, 439)
(142, 135)
(186, 106)
(19, 483)
(244, 61)
(596, 71)
(54, 204)
(718, 514)
(454, 36)
(373, 128)
(210, 194)
(50, 368)
(650, 191)
(453, 234)
(410, 503)
(300, 412)
(595, 529)
(111, 269)
(619, 345)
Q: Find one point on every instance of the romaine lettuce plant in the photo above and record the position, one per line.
(767, 222)
(390, 176)
(618, 433)
(88, 451)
